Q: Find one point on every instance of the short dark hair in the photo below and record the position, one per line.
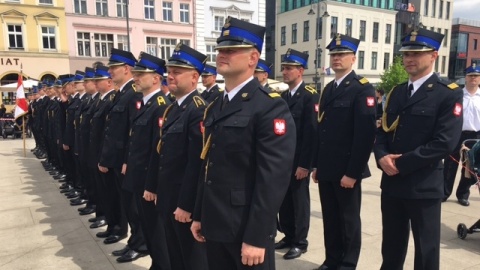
(380, 91)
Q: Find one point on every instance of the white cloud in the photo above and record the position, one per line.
(467, 9)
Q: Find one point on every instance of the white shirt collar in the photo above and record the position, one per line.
(294, 90)
(147, 97)
(103, 96)
(180, 100)
(419, 82)
(121, 88)
(339, 81)
(235, 90)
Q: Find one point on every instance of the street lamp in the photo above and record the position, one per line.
(317, 36)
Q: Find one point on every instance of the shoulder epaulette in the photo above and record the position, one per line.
(199, 102)
(220, 89)
(274, 95)
(363, 80)
(161, 100)
(134, 87)
(112, 96)
(453, 86)
(310, 89)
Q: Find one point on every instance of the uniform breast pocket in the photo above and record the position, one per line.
(176, 128)
(235, 130)
(141, 122)
(342, 104)
(423, 111)
(118, 109)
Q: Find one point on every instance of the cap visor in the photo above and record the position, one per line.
(416, 49)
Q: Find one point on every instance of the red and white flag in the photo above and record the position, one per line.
(21, 107)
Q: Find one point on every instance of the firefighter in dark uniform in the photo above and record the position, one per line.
(421, 125)
(261, 73)
(470, 130)
(179, 163)
(39, 114)
(209, 77)
(144, 137)
(294, 215)
(98, 115)
(248, 142)
(345, 135)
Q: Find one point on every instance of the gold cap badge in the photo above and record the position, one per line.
(413, 36)
(338, 40)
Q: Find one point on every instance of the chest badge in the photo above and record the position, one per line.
(370, 101)
(139, 105)
(279, 127)
(457, 111)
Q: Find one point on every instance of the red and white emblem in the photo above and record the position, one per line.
(202, 127)
(457, 111)
(370, 101)
(160, 122)
(316, 107)
(139, 105)
(279, 126)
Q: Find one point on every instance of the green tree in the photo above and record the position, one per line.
(395, 74)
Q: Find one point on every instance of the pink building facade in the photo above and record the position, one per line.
(96, 26)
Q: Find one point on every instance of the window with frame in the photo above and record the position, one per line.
(448, 11)
(185, 41)
(184, 13)
(211, 53)
(149, 8)
(475, 44)
(445, 39)
(122, 42)
(374, 60)
(388, 33)
(48, 38)
(375, 32)
(434, 8)
(436, 64)
(440, 10)
(361, 59)
(151, 45)
(15, 39)
(80, 6)
(363, 29)
(45, 2)
(348, 27)
(283, 36)
(334, 26)
(444, 61)
(294, 33)
(103, 44)
(306, 30)
(426, 6)
(318, 60)
(218, 23)
(319, 31)
(102, 7)
(121, 8)
(83, 44)
(386, 61)
(167, 11)
(168, 46)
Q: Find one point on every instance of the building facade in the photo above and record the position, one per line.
(34, 40)
(96, 26)
(464, 48)
(302, 25)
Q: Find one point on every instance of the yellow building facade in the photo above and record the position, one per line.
(33, 39)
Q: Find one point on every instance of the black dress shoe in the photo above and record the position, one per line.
(114, 238)
(87, 211)
(77, 202)
(282, 244)
(59, 176)
(63, 180)
(293, 253)
(130, 256)
(463, 202)
(73, 194)
(104, 234)
(67, 190)
(93, 219)
(324, 267)
(99, 223)
(121, 252)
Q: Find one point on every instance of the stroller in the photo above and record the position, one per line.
(473, 168)
(10, 127)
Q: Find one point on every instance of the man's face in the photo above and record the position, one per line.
(208, 80)
(418, 63)
(472, 81)
(90, 87)
(144, 81)
(291, 73)
(103, 85)
(79, 86)
(233, 61)
(70, 88)
(181, 80)
(261, 76)
(341, 62)
(118, 73)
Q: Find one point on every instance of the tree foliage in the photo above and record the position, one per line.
(395, 74)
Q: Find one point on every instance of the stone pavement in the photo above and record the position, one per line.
(40, 230)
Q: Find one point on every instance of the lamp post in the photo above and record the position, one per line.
(317, 36)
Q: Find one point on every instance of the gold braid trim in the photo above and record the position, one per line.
(159, 145)
(206, 143)
(320, 115)
(394, 125)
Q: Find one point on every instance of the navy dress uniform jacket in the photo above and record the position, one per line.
(97, 128)
(84, 105)
(117, 127)
(428, 130)
(246, 171)
(302, 106)
(212, 94)
(85, 125)
(349, 111)
(73, 105)
(144, 137)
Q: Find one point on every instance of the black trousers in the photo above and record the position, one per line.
(451, 167)
(294, 214)
(136, 241)
(423, 215)
(113, 212)
(223, 256)
(98, 184)
(341, 223)
(154, 232)
(70, 166)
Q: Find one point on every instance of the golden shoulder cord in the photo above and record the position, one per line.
(384, 116)
(206, 144)
(159, 145)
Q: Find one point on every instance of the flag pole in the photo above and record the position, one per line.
(23, 136)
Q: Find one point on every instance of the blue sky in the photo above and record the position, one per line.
(467, 9)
